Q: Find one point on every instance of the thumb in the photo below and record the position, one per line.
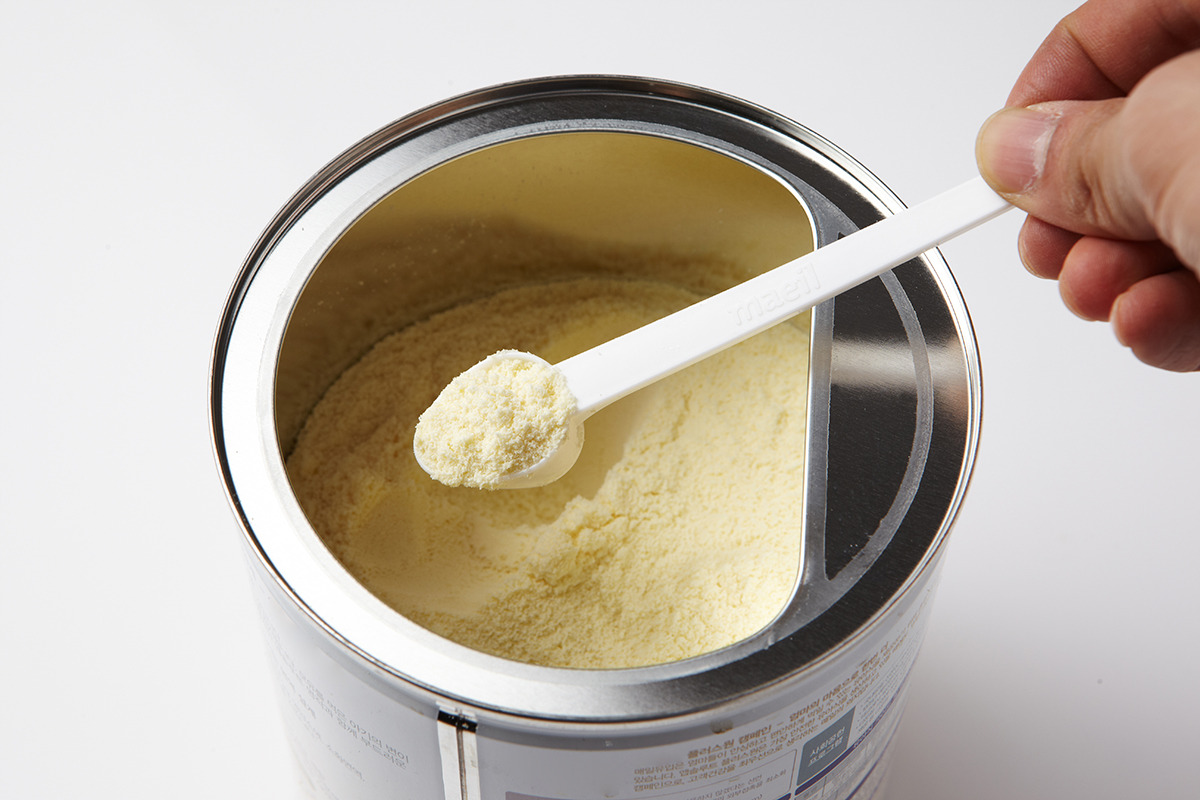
(1063, 162)
(1124, 168)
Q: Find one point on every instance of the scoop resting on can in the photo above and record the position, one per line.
(514, 439)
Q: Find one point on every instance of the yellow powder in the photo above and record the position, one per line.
(503, 415)
(676, 533)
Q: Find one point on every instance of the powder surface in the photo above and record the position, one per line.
(501, 416)
(676, 533)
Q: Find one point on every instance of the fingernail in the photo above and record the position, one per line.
(1012, 147)
(1114, 315)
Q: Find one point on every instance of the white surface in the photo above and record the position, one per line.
(146, 145)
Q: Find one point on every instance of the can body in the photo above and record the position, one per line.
(377, 706)
(356, 736)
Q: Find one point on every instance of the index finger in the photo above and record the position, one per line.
(1104, 47)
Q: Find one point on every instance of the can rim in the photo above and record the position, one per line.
(526, 690)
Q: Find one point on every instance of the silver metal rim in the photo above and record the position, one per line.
(253, 326)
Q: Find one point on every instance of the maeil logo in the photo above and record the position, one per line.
(788, 292)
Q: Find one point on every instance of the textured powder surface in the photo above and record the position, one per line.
(503, 415)
(676, 533)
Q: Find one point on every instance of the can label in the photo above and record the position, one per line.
(353, 741)
(350, 740)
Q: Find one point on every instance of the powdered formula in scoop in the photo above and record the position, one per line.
(503, 415)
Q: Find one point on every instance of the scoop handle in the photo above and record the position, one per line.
(610, 371)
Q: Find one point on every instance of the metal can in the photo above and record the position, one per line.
(377, 706)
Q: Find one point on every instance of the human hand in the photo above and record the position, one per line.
(1100, 144)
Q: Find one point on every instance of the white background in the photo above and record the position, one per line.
(145, 145)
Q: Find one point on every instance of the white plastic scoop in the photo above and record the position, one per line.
(612, 370)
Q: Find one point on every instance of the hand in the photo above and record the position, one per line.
(1100, 144)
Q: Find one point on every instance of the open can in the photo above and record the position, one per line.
(377, 706)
